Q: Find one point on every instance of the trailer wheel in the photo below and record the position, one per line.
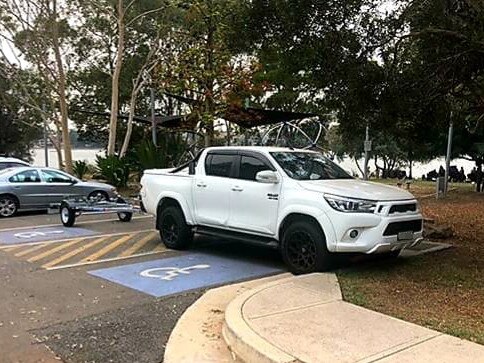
(125, 216)
(67, 215)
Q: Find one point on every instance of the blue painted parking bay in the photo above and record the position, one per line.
(187, 272)
(41, 234)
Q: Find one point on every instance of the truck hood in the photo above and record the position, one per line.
(355, 188)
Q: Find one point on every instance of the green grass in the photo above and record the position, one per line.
(429, 290)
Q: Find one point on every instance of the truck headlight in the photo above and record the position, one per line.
(350, 205)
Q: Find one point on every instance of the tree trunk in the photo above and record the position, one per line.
(410, 167)
(113, 121)
(129, 127)
(209, 90)
(358, 166)
(57, 147)
(227, 124)
(208, 133)
(66, 141)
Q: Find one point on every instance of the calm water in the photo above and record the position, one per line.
(418, 168)
(89, 155)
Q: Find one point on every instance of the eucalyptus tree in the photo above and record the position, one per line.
(449, 38)
(198, 62)
(308, 48)
(21, 126)
(113, 33)
(354, 58)
(37, 33)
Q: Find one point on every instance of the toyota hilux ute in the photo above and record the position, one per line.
(295, 200)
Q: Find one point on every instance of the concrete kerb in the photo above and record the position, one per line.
(245, 342)
(251, 333)
(197, 334)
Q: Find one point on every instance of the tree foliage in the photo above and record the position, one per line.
(20, 126)
(405, 71)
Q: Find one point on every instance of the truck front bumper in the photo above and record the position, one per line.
(374, 233)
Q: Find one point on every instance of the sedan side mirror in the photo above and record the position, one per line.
(267, 176)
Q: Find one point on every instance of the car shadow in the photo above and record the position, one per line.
(238, 251)
(271, 257)
(354, 262)
(31, 213)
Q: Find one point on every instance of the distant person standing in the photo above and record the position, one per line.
(462, 175)
(441, 171)
(473, 175)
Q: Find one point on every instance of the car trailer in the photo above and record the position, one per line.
(70, 209)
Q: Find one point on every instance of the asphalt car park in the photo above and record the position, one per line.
(106, 290)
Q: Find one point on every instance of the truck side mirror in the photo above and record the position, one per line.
(267, 176)
(191, 168)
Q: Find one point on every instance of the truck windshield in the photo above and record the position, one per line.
(309, 166)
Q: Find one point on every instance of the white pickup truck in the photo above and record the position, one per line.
(295, 200)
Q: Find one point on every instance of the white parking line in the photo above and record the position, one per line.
(105, 260)
(77, 224)
(6, 247)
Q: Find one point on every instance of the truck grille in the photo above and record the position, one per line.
(396, 227)
(403, 208)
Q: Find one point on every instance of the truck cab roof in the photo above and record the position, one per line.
(264, 149)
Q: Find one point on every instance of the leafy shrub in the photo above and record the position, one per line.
(80, 168)
(148, 156)
(113, 169)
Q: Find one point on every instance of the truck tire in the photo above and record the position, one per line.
(174, 231)
(303, 248)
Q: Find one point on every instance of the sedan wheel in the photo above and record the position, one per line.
(8, 206)
(98, 196)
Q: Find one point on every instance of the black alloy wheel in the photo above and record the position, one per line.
(302, 252)
(170, 230)
(174, 231)
(303, 248)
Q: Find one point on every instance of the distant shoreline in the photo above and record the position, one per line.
(88, 155)
(348, 164)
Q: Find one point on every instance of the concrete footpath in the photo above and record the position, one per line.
(304, 319)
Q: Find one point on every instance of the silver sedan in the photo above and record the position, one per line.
(28, 188)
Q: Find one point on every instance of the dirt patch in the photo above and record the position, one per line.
(442, 290)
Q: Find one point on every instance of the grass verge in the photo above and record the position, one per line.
(443, 290)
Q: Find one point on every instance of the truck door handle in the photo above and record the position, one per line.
(201, 185)
(237, 189)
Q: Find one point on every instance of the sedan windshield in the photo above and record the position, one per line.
(309, 166)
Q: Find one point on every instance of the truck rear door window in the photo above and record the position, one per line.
(219, 165)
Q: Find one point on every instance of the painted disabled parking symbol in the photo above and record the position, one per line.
(169, 273)
(34, 234)
(41, 234)
(173, 275)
